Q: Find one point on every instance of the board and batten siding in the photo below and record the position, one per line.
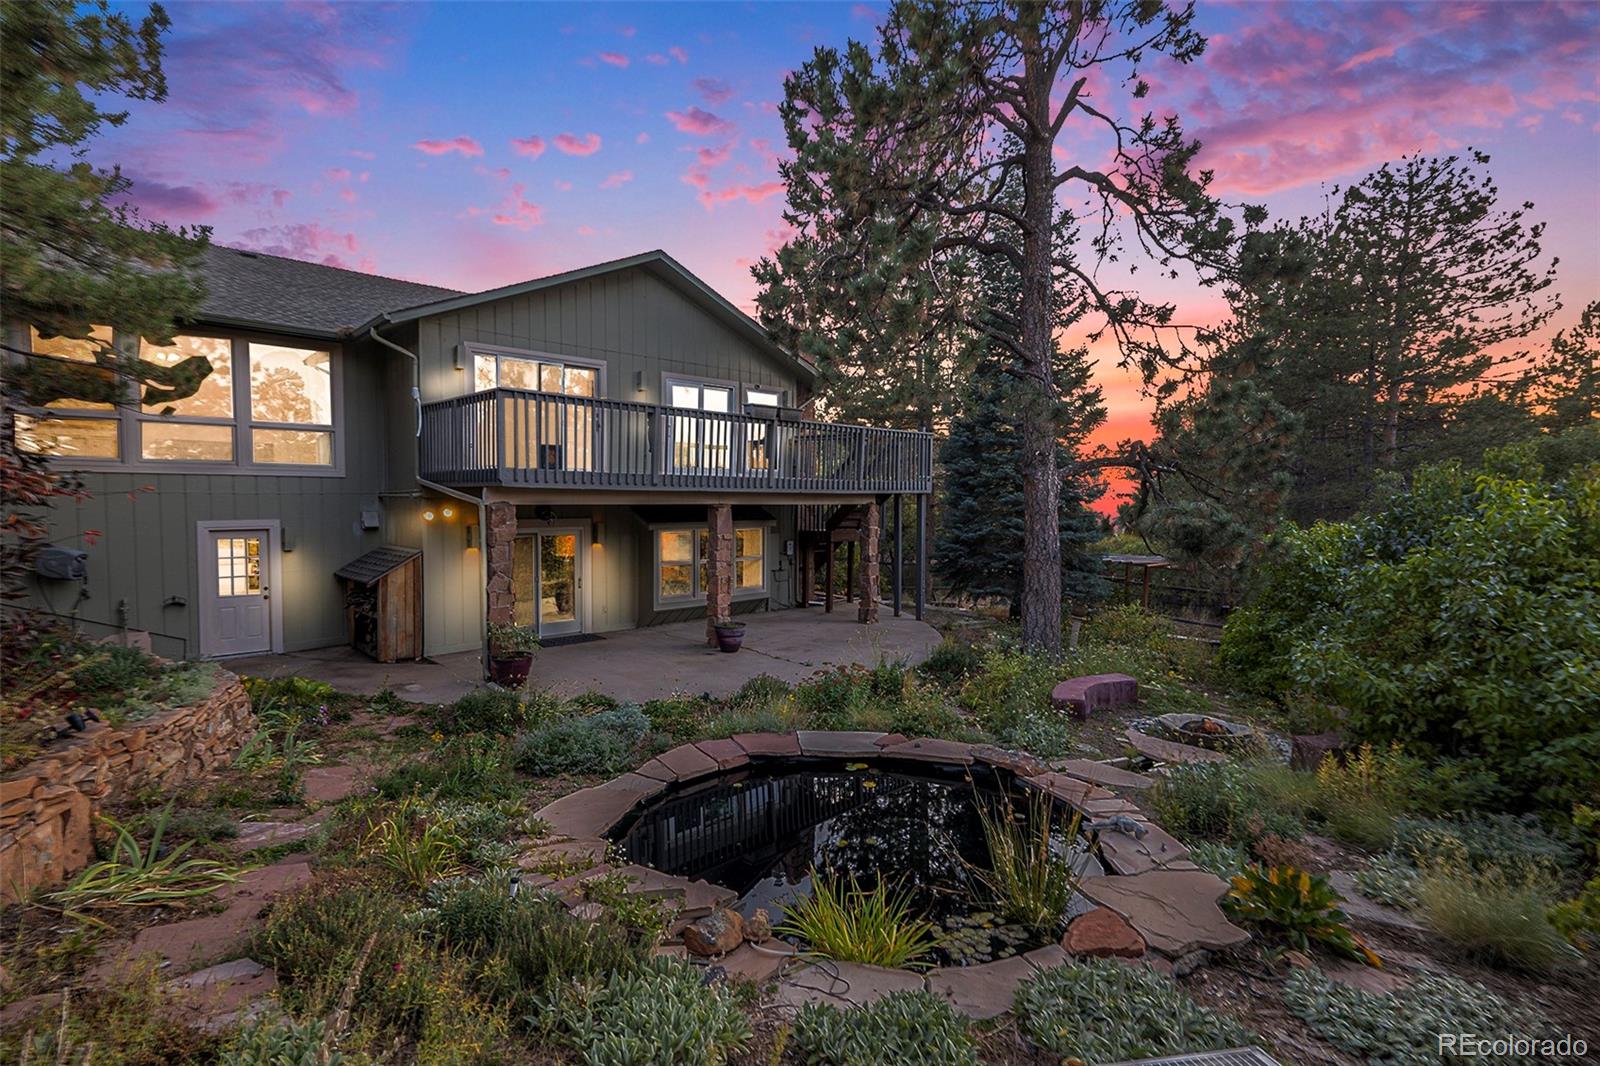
(145, 554)
(632, 320)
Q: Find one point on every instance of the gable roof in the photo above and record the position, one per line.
(254, 290)
(656, 262)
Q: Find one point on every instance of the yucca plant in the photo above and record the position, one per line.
(137, 876)
(1299, 904)
(418, 857)
(1031, 884)
(853, 924)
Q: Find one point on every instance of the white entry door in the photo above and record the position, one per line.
(237, 566)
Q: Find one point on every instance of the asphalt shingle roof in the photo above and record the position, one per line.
(272, 292)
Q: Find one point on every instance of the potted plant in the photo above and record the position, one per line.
(730, 634)
(511, 651)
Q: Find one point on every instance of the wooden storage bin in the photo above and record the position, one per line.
(383, 603)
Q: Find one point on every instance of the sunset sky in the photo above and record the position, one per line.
(476, 144)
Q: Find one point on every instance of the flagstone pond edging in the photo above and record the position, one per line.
(1153, 905)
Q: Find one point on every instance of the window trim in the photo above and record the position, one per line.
(781, 393)
(470, 350)
(698, 597)
(130, 414)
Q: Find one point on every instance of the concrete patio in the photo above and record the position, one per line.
(635, 664)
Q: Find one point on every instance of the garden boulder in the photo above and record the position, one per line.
(1103, 933)
(714, 935)
(1081, 696)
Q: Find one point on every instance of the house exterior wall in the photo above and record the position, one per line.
(146, 553)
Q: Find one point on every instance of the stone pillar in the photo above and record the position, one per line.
(719, 567)
(497, 540)
(871, 526)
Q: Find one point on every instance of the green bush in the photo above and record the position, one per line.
(952, 662)
(484, 710)
(1456, 622)
(282, 1041)
(833, 699)
(600, 743)
(1010, 686)
(914, 1028)
(1107, 1011)
(1224, 860)
(113, 670)
(1130, 625)
(1495, 916)
(763, 690)
(1502, 840)
(471, 766)
(677, 717)
(1232, 802)
(1402, 1028)
(660, 1013)
(1298, 905)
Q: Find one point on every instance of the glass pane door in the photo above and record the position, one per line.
(558, 583)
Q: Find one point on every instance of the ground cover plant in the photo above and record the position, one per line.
(659, 1013)
(1105, 1011)
(1299, 906)
(915, 1028)
(143, 875)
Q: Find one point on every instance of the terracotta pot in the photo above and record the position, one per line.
(730, 638)
(511, 672)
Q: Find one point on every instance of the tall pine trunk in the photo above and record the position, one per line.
(1041, 478)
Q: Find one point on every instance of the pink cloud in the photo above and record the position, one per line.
(702, 123)
(465, 145)
(586, 231)
(714, 157)
(678, 53)
(358, 153)
(642, 138)
(337, 174)
(617, 180)
(309, 241)
(656, 59)
(563, 186)
(865, 12)
(170, 202)
(628, 31)
(531, 146)
(710, 197)
(349, 196)
(713, 90)
(516, 211)
(616, 59)
(572, 144)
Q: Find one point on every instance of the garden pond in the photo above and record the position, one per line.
(765, 833)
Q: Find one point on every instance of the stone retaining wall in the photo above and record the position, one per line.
(48, 807)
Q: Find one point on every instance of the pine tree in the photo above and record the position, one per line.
(893, 195)
(73, 258)
(1566, 380)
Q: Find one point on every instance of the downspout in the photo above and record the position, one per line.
(476, 501)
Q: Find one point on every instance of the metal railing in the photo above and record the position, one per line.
(513, 437)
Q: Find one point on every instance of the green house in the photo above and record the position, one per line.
(607, 448)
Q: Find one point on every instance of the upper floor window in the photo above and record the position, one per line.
(262, 405)
(534, 373)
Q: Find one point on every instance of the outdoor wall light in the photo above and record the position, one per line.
(427, 516)
(472, 535)
(448, 512)
(599, 534)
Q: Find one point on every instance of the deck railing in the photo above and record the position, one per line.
(512, 437)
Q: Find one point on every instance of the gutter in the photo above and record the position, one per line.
(476, 501)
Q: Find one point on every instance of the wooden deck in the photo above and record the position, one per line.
(513, 438)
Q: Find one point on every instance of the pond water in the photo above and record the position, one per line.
(763, 833)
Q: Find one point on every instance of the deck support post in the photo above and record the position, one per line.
(827, 578)
(871, 528)
(849, 571)
(899, 556)
(719, 567)
(922, 554)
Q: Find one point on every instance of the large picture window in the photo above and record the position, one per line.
(263, 406)
(80, 429)
(682, 571)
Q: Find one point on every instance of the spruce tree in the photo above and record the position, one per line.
(1565, 380)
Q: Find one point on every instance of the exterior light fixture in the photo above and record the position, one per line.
(472, 535)
(427, 516)
(599, 534)
(448, 512)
